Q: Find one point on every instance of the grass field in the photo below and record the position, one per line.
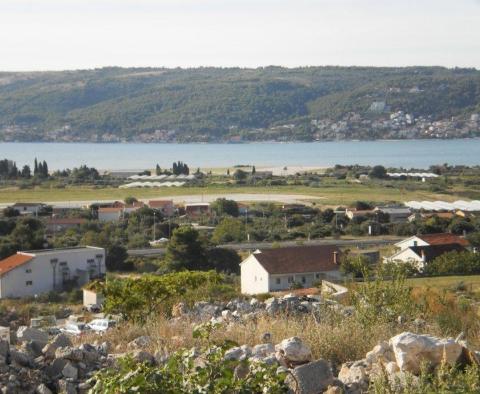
(332, 195)
(472, 282)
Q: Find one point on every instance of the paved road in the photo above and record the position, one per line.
(360, 243)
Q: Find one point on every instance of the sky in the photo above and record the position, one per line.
(84, 34)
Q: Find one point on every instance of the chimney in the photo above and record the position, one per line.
(335, 257)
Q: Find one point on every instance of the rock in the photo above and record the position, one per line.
(61, 340)
(254, 302)
(412, 349)
(263, 350)
(380, 353)
(33, 348)
(238, 353)
(141, 356)
(272, 306)
(69, 353)
(392, 368)
(241, 371)
(105, 347)
(311, 378)
(333, 390)
(25, 333)
(293, 351)
(69, 371)
(140, 342)
(42, 389)
(54, 370)
(227, 314)
(354, 373)
(4, 349)
(20, 358)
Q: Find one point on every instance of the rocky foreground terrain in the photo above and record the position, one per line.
(37, 363)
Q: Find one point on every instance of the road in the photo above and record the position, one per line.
(362, 243)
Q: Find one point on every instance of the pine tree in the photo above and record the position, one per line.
(45, 169)
(253, 170)
(158, 170)
(35, 167)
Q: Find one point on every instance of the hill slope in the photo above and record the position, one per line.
(216, 104)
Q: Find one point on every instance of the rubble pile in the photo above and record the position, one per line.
(244, 310)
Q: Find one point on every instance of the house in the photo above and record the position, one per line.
(29, 273)
(197, 209)
(29, 208)
(420, 249)
(92, 297)
(110, 214)
(61, 224)
(395, 214)
(432, 239)
(166, 207)
(278, 269)
(134, 206)
(419, 256)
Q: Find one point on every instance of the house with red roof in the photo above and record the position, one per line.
(419, 250)
(166, 207)
(30, 273)
(279, 269)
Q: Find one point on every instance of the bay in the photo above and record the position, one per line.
(404, 153)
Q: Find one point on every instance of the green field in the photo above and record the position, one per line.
(472, 282)
(331, 195)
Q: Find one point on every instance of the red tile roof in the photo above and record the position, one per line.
(110, 209)
(160, 203)
(443, 238)
(298, 259)
(12, 262)
(433, 251)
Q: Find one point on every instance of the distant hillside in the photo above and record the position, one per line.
(216, 104)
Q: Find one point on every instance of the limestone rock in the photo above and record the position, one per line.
(311, 378)
(140, 342)
(293, 351)
(412, 349)
(70, 371)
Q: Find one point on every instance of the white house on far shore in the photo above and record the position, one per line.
(278, 269)
(31, 273)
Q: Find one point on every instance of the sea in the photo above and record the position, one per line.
(418, 154)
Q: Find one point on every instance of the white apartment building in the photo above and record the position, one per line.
(31, 273)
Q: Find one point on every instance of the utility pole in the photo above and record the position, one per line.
(154, 226)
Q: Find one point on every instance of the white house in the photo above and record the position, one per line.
(419, 256)
(278, 269)
(432, 239)
(34, 272)
(28, 208)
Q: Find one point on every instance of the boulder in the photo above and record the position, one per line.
(354, 373)
(293, 351)
(238, 353)
(55, 369)
(142, 356)
(380, 353)
(25, 333)
(70, 371)
(4, 348)
(411, 350)
(42, 389)
(263, 350)
(311, 378)
(69, 353)
(20, 358)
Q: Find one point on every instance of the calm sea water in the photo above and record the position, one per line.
(409, 153)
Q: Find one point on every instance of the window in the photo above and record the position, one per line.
(28, 283)
(304, 280)
(278, 281)
(28, 271)
(290, 279)
(63, 264)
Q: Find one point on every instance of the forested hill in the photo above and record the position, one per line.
(233, 104)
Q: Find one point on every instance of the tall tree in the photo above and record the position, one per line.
(185, 250)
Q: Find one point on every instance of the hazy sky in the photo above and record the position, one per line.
(71, 34)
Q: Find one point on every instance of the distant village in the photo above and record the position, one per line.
(379, 122)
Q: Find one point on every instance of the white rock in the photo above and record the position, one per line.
(392, 368)
(355, 372)
(381, 352)
(263, 350)
(293, 350)
(412, 349)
